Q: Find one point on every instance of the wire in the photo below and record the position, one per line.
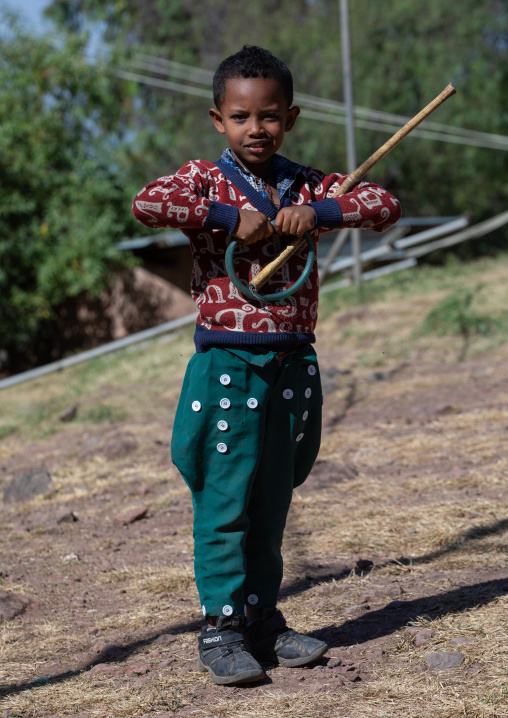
(463, 137)
(190, 73)
(366, 118)
(164, 84)
(425, 134)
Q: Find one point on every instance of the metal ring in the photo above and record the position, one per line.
(278, 296)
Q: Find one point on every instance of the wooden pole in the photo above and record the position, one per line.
(354, 178)
(347, 75)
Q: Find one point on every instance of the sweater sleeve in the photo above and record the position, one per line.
(183, 201)
(367, 205)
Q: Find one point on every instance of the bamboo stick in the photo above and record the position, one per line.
(353, 179)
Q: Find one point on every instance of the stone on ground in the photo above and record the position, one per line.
(11, 605)
(444, 660)
(27, 486)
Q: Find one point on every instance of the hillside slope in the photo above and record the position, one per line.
(396, 546)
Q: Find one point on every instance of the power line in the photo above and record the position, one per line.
(333, 111)
(391, 129)
(365, 118)
(164, 84)
(426, 131)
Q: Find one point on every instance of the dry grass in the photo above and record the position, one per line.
(426, 504)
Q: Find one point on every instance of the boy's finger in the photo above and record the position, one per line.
(279, 222)
(304, 227)
(285, 226)
(294, 227)
(269, 230)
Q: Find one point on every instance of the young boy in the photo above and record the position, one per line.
(248, 424)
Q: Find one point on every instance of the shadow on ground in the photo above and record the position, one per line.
(397, 614)
(310, 576)
(374, 624)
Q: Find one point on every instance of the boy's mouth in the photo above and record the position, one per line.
(258, 147)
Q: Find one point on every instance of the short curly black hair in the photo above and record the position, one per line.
(251, 61)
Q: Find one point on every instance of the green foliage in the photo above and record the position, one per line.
(453, 274)
(404, 53)
(455, 314)
(62, 206)
(76, 143)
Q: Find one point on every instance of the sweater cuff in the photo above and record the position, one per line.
(328, 213)
(221, 216)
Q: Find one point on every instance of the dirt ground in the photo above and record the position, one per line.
(395, 550)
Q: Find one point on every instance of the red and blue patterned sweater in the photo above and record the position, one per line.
(202, 200)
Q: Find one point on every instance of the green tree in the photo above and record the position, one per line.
(404, 53)
(76, 143)
(170, 127)
(62, 201)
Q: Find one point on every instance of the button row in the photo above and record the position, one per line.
(252, 403)
(288, 393)
(225, 379)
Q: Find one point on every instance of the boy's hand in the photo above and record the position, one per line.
(252, 226)
(295, 220)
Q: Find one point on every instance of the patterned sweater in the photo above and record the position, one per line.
(202, 200)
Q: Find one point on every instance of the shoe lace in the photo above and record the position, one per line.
(284, 635)
(226, 651)
(231, 647)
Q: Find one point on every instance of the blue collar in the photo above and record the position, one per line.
(251, 186)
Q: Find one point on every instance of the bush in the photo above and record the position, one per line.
(62, 207)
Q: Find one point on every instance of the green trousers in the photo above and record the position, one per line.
(247, 431)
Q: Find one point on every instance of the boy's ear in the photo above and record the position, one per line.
(217, 120)
(291, 116)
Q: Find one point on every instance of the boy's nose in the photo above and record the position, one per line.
(256, 128)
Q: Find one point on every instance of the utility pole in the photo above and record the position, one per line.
(350, 125)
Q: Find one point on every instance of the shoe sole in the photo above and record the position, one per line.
(303, 660)
(244, 677)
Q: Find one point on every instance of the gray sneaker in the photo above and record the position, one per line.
(222, 653)
(269, 639)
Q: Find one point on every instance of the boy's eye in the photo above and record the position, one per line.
(238, 117)
(272, 116)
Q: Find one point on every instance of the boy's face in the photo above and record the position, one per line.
(254, 116)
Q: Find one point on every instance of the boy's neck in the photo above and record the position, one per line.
(262, 170)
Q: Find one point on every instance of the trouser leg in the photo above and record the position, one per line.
(216, 445)
(241, 460)
(290, 447)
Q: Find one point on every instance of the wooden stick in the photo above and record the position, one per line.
(353, 179)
